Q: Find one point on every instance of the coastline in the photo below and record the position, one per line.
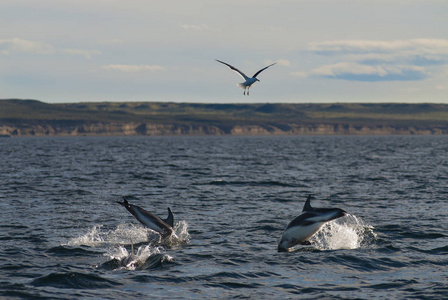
(36, 118)
(144, 129)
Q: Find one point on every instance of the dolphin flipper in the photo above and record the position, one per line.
(170, 219)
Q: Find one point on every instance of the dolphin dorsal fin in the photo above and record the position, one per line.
(307, 205)
(170, 219)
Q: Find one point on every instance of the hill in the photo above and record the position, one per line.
(36, 118)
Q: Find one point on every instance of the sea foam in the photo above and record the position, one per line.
(127, 234)
(348, 232)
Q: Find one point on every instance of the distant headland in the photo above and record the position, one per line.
(36, 118)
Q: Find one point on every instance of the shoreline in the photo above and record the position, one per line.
(205, 130)
(37, 118)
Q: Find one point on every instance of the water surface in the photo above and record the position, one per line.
(63, 235)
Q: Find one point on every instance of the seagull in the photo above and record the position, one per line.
(249, 80)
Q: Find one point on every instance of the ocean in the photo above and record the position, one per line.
(63, 236)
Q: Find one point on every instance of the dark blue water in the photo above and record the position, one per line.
(63, 236)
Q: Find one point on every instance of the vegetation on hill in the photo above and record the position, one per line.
(16, 113)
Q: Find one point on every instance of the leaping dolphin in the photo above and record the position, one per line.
(163, 227)
(306, 224)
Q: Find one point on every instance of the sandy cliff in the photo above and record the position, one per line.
(146, 129)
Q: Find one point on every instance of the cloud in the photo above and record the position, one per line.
(86, 53)
(194, 26)
(9, 46)
(414, 51)
(374, 60)
(429, 46)
(16, 45)
(280, 62)
(299, 74)
(134, 68)
(112, 42)
(361, 72)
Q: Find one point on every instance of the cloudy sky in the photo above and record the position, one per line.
(151, 50)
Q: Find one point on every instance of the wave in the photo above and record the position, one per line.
(70, 251)
(220, 182)
(74, 280)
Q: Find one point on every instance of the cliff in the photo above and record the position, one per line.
(35, 118)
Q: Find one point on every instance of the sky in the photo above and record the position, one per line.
(150, 50)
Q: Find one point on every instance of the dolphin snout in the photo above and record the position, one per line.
(286, 244)
(281, 249)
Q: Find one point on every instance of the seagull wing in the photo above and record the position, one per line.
(255, 75)
(236, 70)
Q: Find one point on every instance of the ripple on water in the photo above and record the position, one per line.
(234, 192)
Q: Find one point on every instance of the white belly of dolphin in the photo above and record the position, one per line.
(301, 233)
(148, 222)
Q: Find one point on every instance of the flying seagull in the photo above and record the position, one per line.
(249, 80)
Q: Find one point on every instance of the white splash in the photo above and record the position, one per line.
(127, 234)
(348, 232)
(138, 260)
(123, 234)
(180, 235)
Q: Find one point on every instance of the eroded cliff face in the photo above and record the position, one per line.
(108, 129)
(146, 129)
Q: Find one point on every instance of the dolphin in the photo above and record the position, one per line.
(163, 227)
(306, 224)
(130, 259)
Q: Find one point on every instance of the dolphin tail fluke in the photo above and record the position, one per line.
(125, 202)
(307, 204)
(170, 219)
